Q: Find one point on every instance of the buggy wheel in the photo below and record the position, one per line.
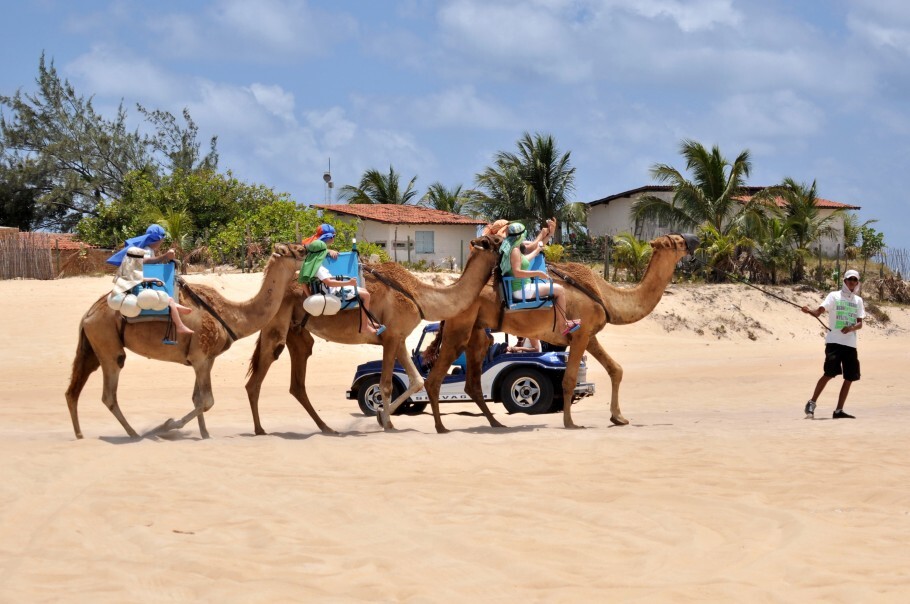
(527, 390)
(369, 396)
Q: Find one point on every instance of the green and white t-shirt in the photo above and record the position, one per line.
(843, 313)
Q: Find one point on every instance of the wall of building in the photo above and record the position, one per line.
(449, 240)
(616, 217)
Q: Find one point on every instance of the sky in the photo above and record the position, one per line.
(816, 90)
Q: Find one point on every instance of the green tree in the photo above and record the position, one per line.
(72, 159)
(722, 249)
(804, 221)
(873, 244)
(376, 187)
(454, 200)
(715, 196)
(853, 231)
(775, 251)
(631, 254)
(532, 185)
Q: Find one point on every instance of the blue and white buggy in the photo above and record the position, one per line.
(524, 382)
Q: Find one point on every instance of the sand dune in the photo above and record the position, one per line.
(719, 490)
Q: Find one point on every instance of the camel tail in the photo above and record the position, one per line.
(84, 364)
(254, 361)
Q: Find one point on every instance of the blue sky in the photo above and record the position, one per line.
(815, 89)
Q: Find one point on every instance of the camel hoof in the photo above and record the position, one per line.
(442, 430)
(259, 432)
(574, 427)
(497, 424)
(329, 432)
(619, 420)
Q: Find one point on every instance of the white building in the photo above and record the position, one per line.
(612, 215)
(411, 233)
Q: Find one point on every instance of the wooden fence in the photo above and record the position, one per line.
(37, 256)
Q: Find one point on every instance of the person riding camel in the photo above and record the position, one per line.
(515, 264)
(312, 269)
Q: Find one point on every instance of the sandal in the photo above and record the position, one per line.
(380, 330)
(572, 326)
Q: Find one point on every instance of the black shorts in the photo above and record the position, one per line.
(841, 359)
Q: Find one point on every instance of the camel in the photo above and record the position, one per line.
(104, 334)
(588, 297)
(398, 299)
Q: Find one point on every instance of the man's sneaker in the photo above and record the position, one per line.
(841, 414)
(810, 410)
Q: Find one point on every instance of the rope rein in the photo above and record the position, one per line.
(205, 305)
(741, 280)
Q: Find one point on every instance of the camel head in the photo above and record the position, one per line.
(683, 244)
(486, 242)
(294, 251)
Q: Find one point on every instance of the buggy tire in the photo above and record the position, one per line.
(527, 390)
(369, 396)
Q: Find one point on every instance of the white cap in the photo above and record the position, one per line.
(851, 273)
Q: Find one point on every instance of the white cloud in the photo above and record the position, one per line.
(460, 106)
(275, 99)
(689, 16)
(115, 72)
(779, 116)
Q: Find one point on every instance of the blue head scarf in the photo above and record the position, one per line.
(152, 234)
(323, 233)
(514, 237)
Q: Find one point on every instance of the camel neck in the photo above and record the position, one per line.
(630, 304)
(441, 303)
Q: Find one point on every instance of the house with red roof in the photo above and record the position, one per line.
(612, 215)
(411, 233)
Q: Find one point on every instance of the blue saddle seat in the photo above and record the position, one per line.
(345, 266)
(525, 302)
(165, 273)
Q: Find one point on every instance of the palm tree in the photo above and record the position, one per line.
(376, 187)
(804, 221)
(455, 200)
(632, 254)
(179, 226)
(852, 233)
(533, 184)
(715, 195)
(775, 250)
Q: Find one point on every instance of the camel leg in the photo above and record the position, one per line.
(454, 340)
(202, 402)
(478, 345)
(300, 347)
(389, 351)
(577, 344)
(110, 369)
(269, 346)
(414, 378)
(615, 372)
(85, 363)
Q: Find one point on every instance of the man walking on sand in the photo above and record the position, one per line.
(845, 318)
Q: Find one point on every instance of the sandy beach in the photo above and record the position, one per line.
(718, 490)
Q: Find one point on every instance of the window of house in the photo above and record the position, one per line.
(424, 243)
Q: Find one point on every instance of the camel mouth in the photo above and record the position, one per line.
(691, 242)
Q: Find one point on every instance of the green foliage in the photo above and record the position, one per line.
(70, 160)
(631, 254)
(367, 249)
(455, 200)
(873, 244)
(531, 185)
(376, 187)
(712, 197)
(720, 250)
(554, 252)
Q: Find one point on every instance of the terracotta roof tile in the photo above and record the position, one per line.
(400, 214)
(819, 202)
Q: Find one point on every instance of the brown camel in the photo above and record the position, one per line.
(103, 336)
(602, 304)
(398, 299)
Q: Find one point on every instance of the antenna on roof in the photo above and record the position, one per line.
(329, 185)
